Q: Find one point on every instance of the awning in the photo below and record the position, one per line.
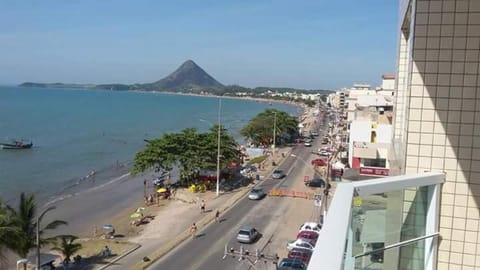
(365, 153)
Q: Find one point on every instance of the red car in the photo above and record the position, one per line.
(301, 255)
(309, 236)
(319, 162)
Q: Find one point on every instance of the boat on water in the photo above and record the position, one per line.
(16, 144)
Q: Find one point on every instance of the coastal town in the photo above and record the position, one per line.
(301, 174)
(118, 151)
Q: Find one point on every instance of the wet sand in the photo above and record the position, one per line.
(99, 206)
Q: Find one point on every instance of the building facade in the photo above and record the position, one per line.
(437, 117)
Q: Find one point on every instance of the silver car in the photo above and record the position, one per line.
(278, 174)
(256, 193)
(247, 235)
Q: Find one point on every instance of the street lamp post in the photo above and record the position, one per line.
(274, 131)
(39, 218)
(218, 145)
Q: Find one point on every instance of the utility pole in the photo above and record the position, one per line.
(274, 130)
(218, 147)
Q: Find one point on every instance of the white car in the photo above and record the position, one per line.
(307, 144)
(324, 153)
(300, 244)
(311, 226)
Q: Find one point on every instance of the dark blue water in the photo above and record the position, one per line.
(77, 131)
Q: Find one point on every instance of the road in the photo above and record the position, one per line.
(207, 249)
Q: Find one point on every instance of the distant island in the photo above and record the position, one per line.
(190, 78)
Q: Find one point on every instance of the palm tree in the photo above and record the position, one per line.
(8, 233)
(26, 221)
(66, 246)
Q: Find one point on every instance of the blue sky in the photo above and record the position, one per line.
(312, 44)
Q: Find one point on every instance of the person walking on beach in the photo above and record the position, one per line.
(217, 216)
(202, 206)
(193, 229)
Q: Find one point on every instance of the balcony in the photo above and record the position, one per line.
(388, 223)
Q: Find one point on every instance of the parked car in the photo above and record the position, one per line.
(319, 162)
(291, 264)
(309, 236)
(307, 144)
(247, 235)
(316, 182)
(300, 244)
(314, 133)
(278, 174)
(248, 170)
(300, 254)
(310, 226)
(256, 193)
(324, 153)
(323, 148)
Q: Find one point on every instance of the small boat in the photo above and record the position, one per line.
(16, 144)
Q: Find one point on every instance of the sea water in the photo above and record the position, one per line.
(75, 132)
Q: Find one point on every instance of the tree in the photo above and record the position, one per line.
(310, 103)
(65, 245)
(229, 148)
(259, 130)
(188, 150)
(8, 232)
(25, 220)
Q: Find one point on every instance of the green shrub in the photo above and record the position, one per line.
(258, 159)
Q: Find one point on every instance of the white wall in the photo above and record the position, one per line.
(360, 131)
(384, 133)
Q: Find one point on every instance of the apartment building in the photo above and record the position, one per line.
(431, 217)
(437, 116)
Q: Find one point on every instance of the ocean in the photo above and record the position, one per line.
(77, 131)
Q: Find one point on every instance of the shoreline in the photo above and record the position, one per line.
(111, 200)
(257, 99)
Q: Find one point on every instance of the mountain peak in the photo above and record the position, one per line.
(188, 76)
(189, 62)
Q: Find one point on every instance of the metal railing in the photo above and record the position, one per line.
(331, 248)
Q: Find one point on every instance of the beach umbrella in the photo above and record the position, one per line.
(160, 190)
(136, 215)
(108, 227)
(140, 209)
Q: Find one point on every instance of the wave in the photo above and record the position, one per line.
(94, 180)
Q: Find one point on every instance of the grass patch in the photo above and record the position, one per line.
(259, 159)
(93, 247)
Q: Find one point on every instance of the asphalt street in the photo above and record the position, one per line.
(207, 249)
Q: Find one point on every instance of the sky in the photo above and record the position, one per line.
(310, 44)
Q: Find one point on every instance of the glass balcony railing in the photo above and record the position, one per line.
(388, 223)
